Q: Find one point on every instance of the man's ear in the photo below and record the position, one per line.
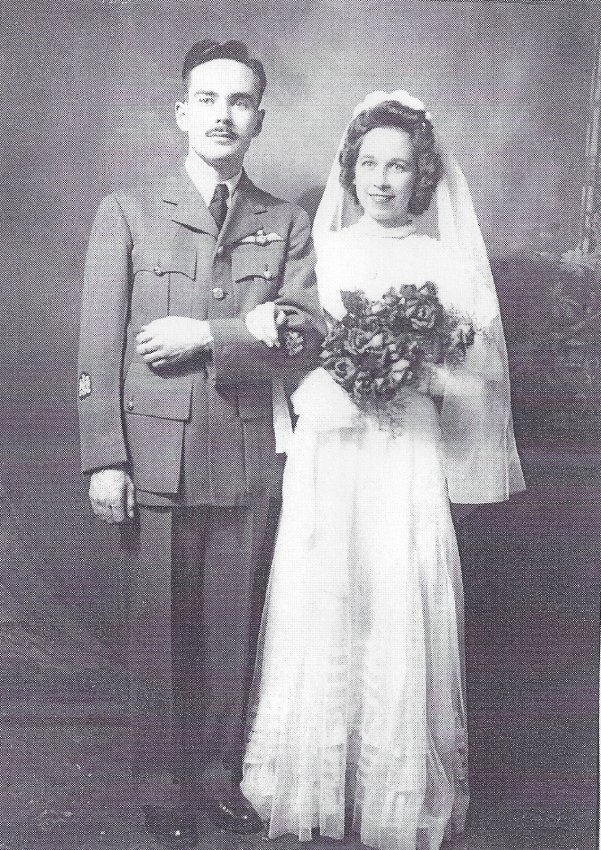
(260, 119)
(181, 115)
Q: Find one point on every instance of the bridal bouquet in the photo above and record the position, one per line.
(380, 348)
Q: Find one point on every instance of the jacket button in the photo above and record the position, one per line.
(158, 271)
(267, 274)
(130, 405)
(218, 294)
(219, 251)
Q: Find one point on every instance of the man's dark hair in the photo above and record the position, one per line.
(207, 50)
(428, 164)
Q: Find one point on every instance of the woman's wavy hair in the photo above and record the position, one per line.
(428, 163)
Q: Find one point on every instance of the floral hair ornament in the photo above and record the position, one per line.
(375, 98)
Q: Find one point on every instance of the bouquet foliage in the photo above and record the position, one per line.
(381, 347)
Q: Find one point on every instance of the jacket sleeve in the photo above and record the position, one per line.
(238, 356)
(104, 311)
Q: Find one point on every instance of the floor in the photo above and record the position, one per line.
(64, 787)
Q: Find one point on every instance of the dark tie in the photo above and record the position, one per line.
(218, 205)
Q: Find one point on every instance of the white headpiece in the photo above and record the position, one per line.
(470, 422)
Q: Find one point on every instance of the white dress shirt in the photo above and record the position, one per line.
(205, 178)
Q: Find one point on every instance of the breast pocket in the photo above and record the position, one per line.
(256, 273)
(163, 281)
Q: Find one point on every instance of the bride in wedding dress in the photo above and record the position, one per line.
(358, 713)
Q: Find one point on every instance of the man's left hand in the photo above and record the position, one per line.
(172, 340)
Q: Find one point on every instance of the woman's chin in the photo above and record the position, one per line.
(386, 219)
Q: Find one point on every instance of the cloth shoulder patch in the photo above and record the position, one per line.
(85, 385)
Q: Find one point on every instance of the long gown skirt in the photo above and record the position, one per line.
(358, 709)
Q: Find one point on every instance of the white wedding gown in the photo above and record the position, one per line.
(359, 700)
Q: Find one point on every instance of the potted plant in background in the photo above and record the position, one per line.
(555, 348)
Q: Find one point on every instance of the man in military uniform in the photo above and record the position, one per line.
(175, 401)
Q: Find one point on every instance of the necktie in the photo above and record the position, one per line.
(218, 205)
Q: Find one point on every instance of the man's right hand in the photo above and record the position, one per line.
(263, 321)
(112, 495)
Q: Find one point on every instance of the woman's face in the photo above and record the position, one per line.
(385, 174)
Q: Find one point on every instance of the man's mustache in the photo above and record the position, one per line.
(222, 131)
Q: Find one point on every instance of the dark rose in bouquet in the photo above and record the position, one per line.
(380, 348)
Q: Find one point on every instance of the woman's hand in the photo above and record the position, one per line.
(263, 322)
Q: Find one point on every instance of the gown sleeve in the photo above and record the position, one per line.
(480, 454)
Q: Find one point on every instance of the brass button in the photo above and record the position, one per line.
(158, 271)
(130, 405)
(267, 274)
(219, 251)
(218, 294)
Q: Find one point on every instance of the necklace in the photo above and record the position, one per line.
(369, 226)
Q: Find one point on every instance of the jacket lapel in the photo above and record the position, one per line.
(185, 205)
(245, 215)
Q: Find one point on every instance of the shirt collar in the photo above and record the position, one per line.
(205, 178)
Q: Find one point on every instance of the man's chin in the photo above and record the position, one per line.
(219, 154)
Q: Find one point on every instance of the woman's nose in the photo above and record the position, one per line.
(381, 177)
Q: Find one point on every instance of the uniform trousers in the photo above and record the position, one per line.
(198, 578)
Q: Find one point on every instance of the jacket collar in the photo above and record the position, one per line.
(186, 206)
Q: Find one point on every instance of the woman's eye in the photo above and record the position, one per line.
(367, 163)
(204, 98)
(399, 166)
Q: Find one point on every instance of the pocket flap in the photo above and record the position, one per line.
(147, 393)
(249, 260)
(164, 260)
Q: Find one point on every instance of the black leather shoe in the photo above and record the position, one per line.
(233, 813)
(173, 827)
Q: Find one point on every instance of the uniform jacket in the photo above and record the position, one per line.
(201, 433)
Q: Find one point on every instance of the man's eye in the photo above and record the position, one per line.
(243, 102)
(204, 98)
(368, 163)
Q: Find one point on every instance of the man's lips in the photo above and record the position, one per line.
(222, 134)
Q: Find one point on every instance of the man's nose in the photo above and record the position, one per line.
(222, 110)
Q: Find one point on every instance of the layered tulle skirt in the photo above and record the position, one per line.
(357, 715)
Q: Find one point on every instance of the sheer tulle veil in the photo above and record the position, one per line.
(482, 460)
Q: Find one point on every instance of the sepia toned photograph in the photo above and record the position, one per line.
(300, 481)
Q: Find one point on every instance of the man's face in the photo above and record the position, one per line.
(221, 115)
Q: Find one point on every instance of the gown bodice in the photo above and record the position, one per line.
(358, 259)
